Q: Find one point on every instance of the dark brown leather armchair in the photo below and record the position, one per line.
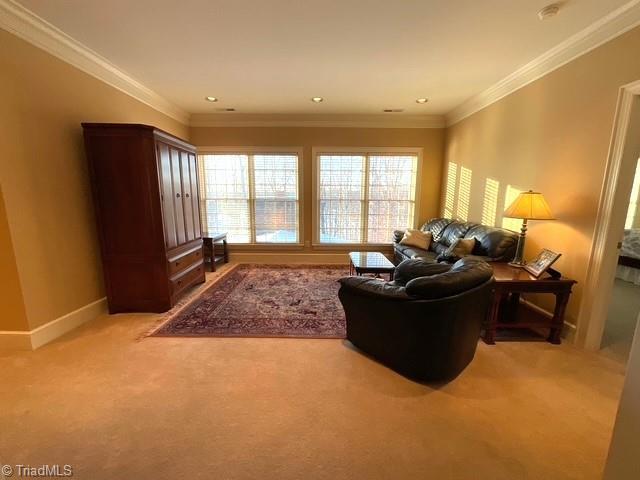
(426, 323)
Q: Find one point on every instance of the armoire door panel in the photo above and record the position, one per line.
(120, 173)
(195, 196)
(168, 208)
(177, 195)
(187, 201)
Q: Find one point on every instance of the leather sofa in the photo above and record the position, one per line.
(492, 244)
(426, 323)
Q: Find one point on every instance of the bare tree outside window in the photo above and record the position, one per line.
(252, 197)
(364, 197)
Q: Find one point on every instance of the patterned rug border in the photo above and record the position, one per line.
(192, 297)
(185, 301)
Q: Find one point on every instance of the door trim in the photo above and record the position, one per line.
(614, 200)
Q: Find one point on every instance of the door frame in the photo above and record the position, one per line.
(612, 208)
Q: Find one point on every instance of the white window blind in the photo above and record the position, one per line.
(363, 197)
(251, 196)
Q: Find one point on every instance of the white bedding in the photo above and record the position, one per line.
(630, 248)
(631, 244)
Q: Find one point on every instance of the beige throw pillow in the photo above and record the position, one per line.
(461, 247)
(416, 238)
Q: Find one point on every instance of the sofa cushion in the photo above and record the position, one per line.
(436, 226)
(426, 256)
(416, 238)
(439, 248)
(413, 252)
(465, 274)
(461, 248)
(414, 268)
(497, 243)
(453, 232)
(406, 250)
(458, 249)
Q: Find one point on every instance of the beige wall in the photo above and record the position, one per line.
(14, 316)
(430, 140)
(44, 181)
(551, 136)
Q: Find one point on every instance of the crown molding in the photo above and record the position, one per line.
(389, 120)
(607, 28)
(25, 24)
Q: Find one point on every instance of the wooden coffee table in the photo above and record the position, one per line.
(370, 262)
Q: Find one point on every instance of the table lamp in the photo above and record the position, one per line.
(527, 206)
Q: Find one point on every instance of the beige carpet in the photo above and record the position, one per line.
(621, 320)
(115, 404)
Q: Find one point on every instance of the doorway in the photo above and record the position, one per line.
(610, 222)
(625, 300)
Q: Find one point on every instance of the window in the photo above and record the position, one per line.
(253, 196)
(362, 197)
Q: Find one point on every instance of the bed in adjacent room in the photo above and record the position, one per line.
(629, 259)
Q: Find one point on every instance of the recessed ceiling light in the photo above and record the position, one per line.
(211, 99)
(317, 99)
(422, 100)
(549, 11)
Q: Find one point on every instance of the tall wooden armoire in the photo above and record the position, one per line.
(145, 190)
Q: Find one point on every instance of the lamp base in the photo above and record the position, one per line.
(518, 258)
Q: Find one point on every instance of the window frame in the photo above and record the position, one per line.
(316, 152)
(250, 151)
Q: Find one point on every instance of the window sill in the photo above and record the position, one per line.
(267, 246)
(352, 246)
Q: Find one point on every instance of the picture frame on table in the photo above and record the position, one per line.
(542, 262)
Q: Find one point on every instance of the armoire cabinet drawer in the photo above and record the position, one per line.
(184, 262)
(187, 279)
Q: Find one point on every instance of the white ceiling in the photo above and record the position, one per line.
(271, 56)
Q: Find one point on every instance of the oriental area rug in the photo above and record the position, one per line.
(295, 301)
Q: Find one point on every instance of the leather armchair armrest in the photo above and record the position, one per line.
(372, 287)
(397, 235)
(415, 268)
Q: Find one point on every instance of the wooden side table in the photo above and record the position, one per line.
(510, 283)
(210, 240)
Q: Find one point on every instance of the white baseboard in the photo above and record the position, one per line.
(32, 339)
(285, 258)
